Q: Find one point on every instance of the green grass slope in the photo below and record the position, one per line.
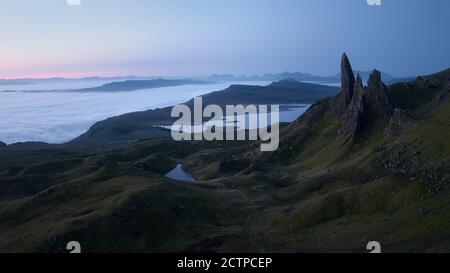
(317, 193)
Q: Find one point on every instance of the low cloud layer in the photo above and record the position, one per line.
(58, 117)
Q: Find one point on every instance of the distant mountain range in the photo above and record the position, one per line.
(31, 81)
(127, 85)
(303, 77)
(299, 76)
(132, 85)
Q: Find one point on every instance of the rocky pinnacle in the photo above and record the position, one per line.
(344, 98)
(347, 79)
(354, 120)
(378, 102)
(366, 104)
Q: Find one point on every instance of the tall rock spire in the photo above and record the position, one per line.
(347, 79)
(355, 118)
(378, 102)
(347, 87)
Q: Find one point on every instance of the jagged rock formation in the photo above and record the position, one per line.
(355, 117)
(378, 102)
(348, 114)
(368, 103)
(347, 79)
(355, 107)
(343, 99)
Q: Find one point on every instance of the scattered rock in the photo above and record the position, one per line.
(404, 159)
(379, 148)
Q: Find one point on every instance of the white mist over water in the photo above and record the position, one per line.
(288, 114)
(56, 84)
(58, 117)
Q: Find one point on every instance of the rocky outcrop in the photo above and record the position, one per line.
(343, 99)
(367, 104)
(347, 79)
(398, 123)
(436, 81)
(355, 107)
(2, 144)
(377, 98)
(355, 117)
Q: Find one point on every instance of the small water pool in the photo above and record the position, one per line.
(179, 174)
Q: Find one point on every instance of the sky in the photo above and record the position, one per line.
(49, 38)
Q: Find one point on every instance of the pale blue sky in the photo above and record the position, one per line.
(200, 37)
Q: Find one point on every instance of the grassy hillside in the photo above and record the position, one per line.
(320, 191)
